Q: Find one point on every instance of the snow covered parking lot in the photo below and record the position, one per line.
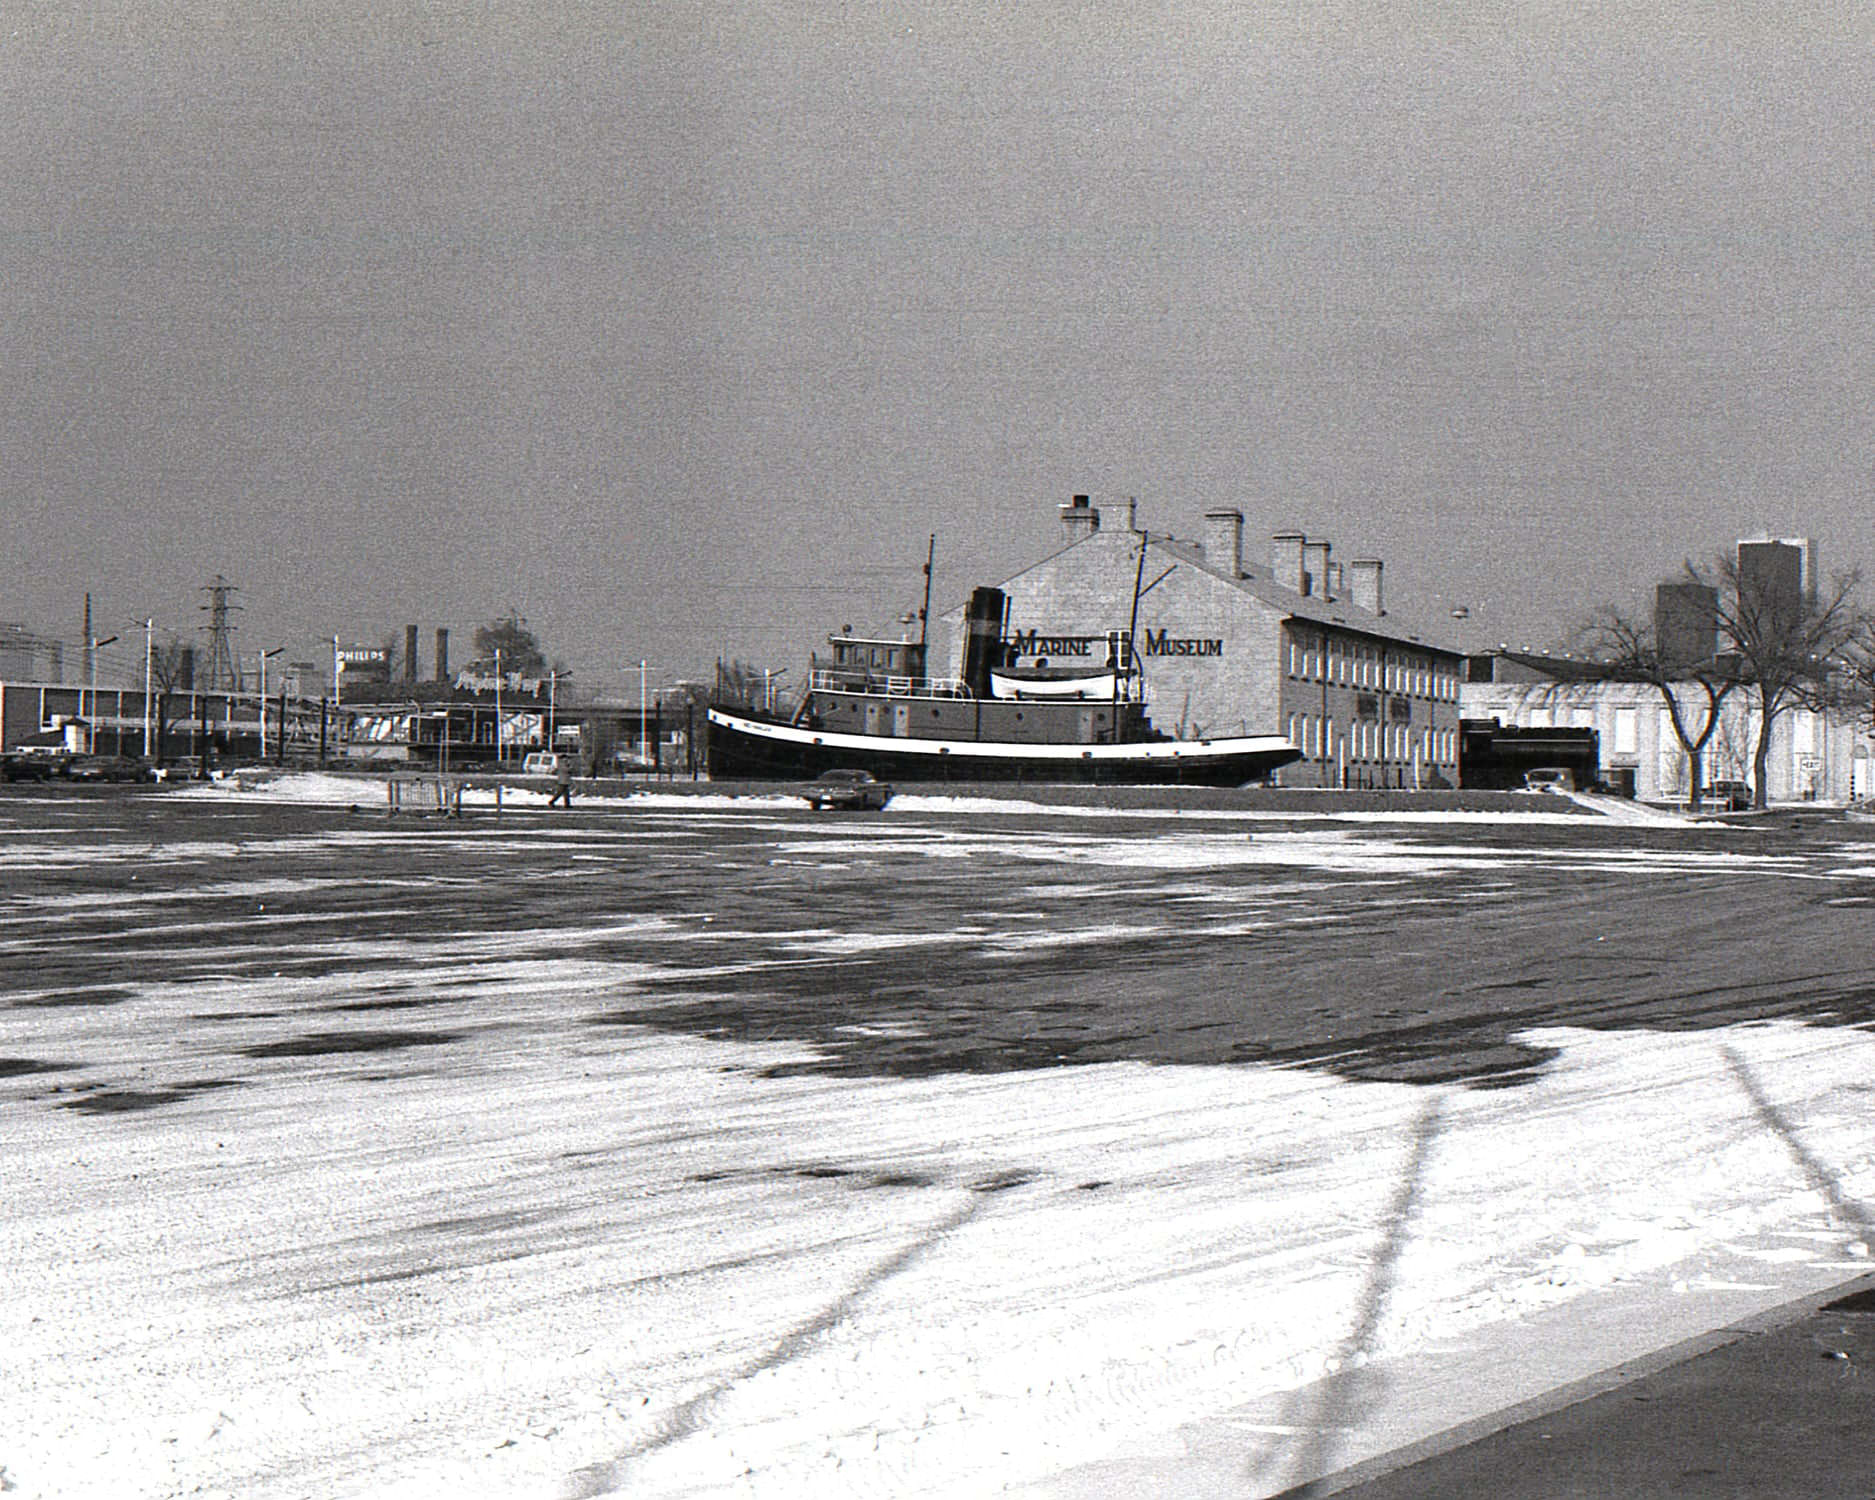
(707, 1148)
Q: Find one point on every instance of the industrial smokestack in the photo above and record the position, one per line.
(442, 655)
(410, 653)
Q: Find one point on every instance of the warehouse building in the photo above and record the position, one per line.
(1301, 645)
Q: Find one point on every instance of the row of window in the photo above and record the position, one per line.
(1320, 738)
(1354, 664)
(889, 657)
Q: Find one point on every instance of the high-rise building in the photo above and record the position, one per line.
(1776, 578)
(1686, 624)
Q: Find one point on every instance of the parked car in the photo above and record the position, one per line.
(1549, 779)
(108, 768)
(852, 790)
(543, 763)
(30, 767)
(1728, 796)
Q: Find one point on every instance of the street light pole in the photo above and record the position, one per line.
(499, 758)
(643, 752)
(338, 699)
(92, 722)
(264, 657)
(149, 627)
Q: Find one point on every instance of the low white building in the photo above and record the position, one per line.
(1814, 756)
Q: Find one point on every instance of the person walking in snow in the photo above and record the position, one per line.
(563, 784)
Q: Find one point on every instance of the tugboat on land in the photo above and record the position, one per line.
(992, 724)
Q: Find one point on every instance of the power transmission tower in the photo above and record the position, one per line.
(222, 671)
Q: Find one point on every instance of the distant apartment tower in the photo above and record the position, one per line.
(1686, 624)
(1778, 576)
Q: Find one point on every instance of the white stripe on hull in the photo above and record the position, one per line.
(1147, 751)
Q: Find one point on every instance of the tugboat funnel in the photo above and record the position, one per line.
(983, 639)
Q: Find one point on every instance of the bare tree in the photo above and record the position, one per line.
(172, 673)
(1620, 647)
(1792, 650)
(520, 651)
(1855, 679)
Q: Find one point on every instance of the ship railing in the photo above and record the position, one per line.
(925, 687)
(839, 681)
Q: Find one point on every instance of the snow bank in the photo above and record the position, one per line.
(661, 1273)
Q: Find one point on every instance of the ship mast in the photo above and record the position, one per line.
(1132, 626)
(924, 614)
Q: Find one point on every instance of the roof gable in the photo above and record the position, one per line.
(1340, 613)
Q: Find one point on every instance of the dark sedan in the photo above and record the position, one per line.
(108, 768)
(31, 767)
(853, 790)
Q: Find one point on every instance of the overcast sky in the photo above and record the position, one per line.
(678, 328)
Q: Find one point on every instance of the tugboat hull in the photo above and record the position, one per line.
(746, 746)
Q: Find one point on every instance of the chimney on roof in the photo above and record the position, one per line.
(1364, 585)
(1223, 541)
(1081, 519)
(1286, 559)
(410, 653)
(1315, 569)
(442, 655)
(1335, 590)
